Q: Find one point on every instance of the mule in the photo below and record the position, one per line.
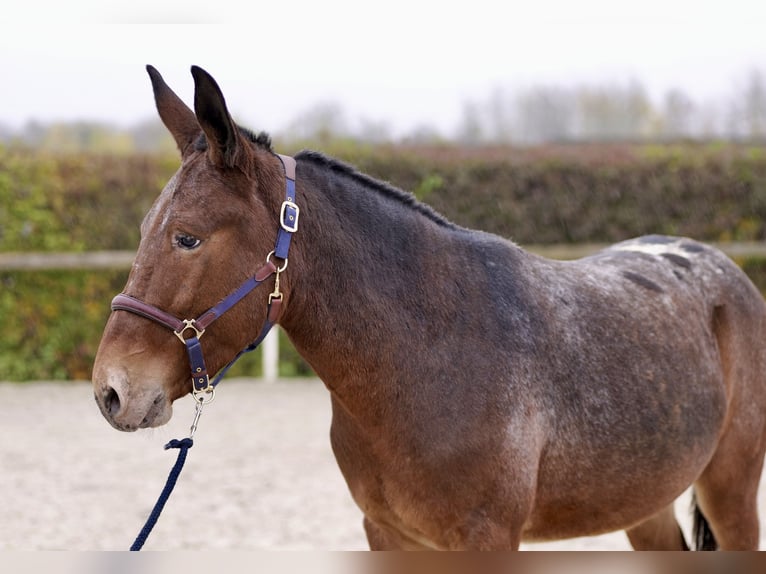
(481, 395)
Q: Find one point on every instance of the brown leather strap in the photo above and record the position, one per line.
(289, 164)
(124, 302)
(275, 310)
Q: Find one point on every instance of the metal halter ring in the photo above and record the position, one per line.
(279, 269)
(204, 397)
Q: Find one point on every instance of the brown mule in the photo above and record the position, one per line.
(481, 395)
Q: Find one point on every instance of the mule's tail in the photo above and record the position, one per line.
(702, 535)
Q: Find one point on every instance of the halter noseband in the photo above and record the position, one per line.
(202, 387)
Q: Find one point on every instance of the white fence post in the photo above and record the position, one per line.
(271, 356)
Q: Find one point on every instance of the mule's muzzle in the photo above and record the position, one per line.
(128, 411)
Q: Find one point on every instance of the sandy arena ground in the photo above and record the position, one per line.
(261, 475)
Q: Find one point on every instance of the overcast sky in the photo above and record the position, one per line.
(406, 63)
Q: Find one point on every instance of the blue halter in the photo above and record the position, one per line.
(202, 387)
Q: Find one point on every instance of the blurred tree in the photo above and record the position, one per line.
(423, 134)
(86, 136)
(6, 133)
(373, 131)
(545, 114)
(754, 103)
(499, 117)
(709, 122)
(151, 136)
(321, 122)
(746, 115)
(677, 115)
(470, 130)
(537, 115)
(33, 134)
(613, 112)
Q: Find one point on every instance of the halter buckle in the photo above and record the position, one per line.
(188, 324)
(288, 216)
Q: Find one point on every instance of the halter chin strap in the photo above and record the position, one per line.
(202, 387)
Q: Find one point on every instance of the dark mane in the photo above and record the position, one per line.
(261, 139)
(395, 193)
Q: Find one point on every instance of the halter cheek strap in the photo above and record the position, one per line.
(189, 331)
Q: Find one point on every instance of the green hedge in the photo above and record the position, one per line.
(588, 194)
(566, 194)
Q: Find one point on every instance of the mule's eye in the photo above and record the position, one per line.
(187, 241)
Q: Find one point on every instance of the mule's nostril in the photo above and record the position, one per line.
(112, 402)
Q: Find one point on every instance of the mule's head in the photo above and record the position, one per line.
(210, 228)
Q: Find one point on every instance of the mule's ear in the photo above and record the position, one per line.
(176, 115)
(221, 131)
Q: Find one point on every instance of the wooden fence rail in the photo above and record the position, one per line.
(66, 261)
(123, 259)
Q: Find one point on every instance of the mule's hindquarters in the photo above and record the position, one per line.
(724, 503)
(672, 335)
(726, 491)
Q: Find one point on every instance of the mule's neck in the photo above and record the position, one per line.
(362, 271)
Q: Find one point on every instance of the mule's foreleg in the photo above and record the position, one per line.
(489, 536)
(379, 538)
(384, 537)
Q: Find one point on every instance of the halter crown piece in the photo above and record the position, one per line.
(203, 388)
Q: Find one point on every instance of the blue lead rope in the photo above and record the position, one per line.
(183, 447)
(185, 444)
